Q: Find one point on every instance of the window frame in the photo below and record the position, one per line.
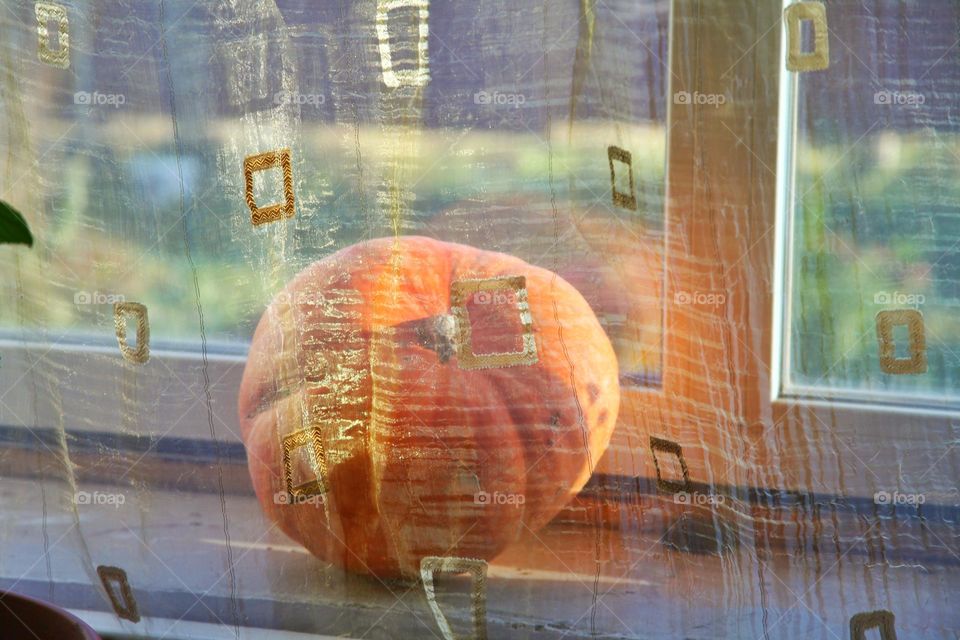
(722, 393)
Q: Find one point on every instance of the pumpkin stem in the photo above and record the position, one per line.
(439, 334)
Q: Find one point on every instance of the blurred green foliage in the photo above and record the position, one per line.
(120, 222)
(876, 227)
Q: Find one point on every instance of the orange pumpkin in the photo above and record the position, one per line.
(441, 398)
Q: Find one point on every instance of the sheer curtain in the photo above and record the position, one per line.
(181, 163)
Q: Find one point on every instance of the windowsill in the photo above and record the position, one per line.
(542, 587)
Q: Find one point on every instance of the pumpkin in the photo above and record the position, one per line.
(407, 397)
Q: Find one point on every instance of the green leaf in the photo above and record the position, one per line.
(13, 228)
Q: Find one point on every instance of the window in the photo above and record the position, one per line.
(872, 215)
(179, 176)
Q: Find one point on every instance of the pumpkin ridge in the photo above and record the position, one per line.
(573, 376)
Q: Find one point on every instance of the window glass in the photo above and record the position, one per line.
(180, 163)
(874, 262)
(139, 167)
